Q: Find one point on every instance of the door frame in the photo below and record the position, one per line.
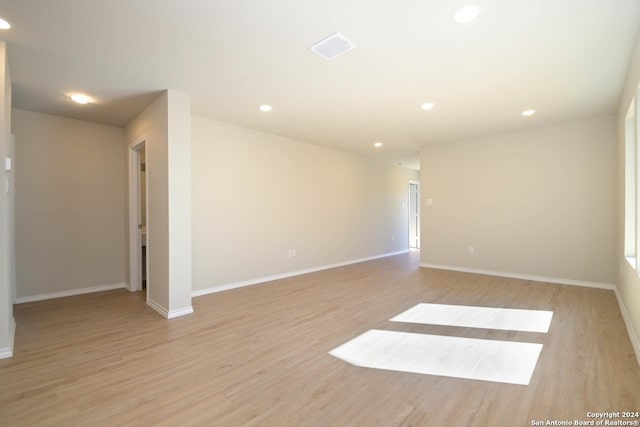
(11, 217)
(417, 184)
(135, 242)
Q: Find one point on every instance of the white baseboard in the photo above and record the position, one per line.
(259, 280)
(169, 314)
(180, 312)
(522, 276)
(69, 293)
(157, 307)
(8, 351)
(633, 336)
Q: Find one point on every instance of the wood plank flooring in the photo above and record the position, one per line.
(258, 356)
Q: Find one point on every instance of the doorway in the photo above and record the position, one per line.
(138, 217)
(414, 214)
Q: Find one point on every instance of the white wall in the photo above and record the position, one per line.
(540, 202)
(7, 324)
(70, 207)
(257, 195)
(165, 124)
(152, 124)
(628, 286)
(179, 175)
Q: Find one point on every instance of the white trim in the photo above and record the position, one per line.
(259, 280)
(633, 336)
(157, 307)
(135, 242)
(631, 261)
(169, 314)
(11, 217)
(522, 276)
(8, 351)
(70, 293)
(417, 184)
(180, 312)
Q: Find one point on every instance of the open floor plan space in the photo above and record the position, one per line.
(259, 355)
(337, 213)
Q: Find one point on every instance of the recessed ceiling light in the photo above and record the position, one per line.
(4, 24)
(467, 13)
(377, 144)
(80, 98)
(528, 113)
(266, 108)
(427, 106)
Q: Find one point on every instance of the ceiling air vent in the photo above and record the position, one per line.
(332, 46)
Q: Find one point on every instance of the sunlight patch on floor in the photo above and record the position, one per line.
(469, 358)
(478, 317)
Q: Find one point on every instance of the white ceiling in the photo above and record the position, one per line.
(565, 58)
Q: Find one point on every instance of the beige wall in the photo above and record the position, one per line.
(165, 125)
(256, 195)
(6, 215)
(628, 284)
(151, 123)
(69, 204)
(539, 202)
(179, 174)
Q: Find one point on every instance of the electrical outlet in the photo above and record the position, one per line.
(471, 250)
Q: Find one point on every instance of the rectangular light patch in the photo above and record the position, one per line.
(478, 317)
(469, 358)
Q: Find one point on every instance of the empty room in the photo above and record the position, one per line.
(335, 213)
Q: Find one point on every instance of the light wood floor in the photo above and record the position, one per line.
(258, 356)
